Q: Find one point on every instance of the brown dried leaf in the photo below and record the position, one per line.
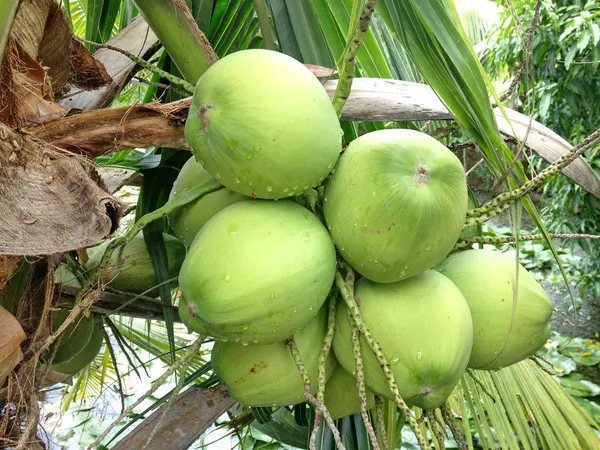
(11, 336)
(8, 266)
(86, 71)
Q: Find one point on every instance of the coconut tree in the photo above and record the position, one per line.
(96, 96)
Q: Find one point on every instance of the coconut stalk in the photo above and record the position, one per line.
(353, 44)
(347, 291)
(172, 22)
(321, 367)
(496, 240)
(319, 405)
(503, 201)
(360, 382)
(8, 9)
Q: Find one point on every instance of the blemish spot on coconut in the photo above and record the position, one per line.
(421, 177)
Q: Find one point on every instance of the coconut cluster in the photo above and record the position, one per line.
(260, 265)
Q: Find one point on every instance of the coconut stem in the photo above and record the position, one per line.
(503, 201)
(347, 291)
(321, 366)
(291, 343)
(183, 362)
(360, 382)
(342, 91)
(457, 433)
(464, 243)
(380, 424)
(436, 434)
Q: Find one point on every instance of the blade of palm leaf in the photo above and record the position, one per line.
(286, 36)
(202, 13)
(514, 410)
(473, 395)
(250, 34)
(128, 13)
(531, 397)
(113, 358)
(218, 14)
(497, 414)
(110, 11)
(311, 40)
(125, 347)
(240, 21)
(226, 21)
(568, 412)
(93, 15)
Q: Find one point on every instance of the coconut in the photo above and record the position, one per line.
(64, 275)
(74, 338)
(506, 329)
(341, 394)
(395, 204)
(266, 375)
(85, 357)
(262, 124)
(189, 317)
(258, 271)
(423, 325)
(130, 266)
(188, 219)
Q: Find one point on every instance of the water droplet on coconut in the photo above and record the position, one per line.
(496, 352)
(395, 360)
(272, 295)
(286, 189)
(245, 343)
(256, 148)
(375, 261)
(224, 339)
(356, 223)
(237, 339)
(237, 180)
(419, 356)
(277, 383)
(365, 225)
(274, 331)
(325, 199)
(306, 236)
(255, 341)
(342, 249)
(406, 266)
(187, 229)
(218, 176)
(306, 186)
(428, 247)
(226, 277)
(295, 310)
(295, 188)
(402, 273)
(480, 333)
(232, 228)
(269, 188)
(250, 155)
(329, 166)
(245, 327)
(250, 183)
(310, 308)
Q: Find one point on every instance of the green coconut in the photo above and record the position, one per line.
(64, 275)
(396, 204)
(341, 394)
(187, 220)
(504, 331)
(85, 357)
(189, 317)
(130, 267)
(262, 125)
(74, 338)
(258, 271)
(424, 328)
(266, 375)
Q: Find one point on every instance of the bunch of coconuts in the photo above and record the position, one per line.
(260, 266)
